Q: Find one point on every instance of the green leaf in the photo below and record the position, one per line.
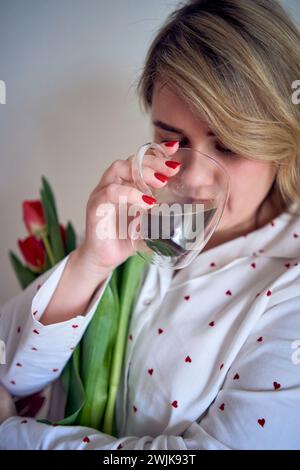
(97, 347)
(54, 234)
(65, 377)
(24, 274)
(91, 377)
(70, 238)
(132, 276)
(76, 395)
(50, 196)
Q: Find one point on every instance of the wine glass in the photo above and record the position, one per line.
(188, 209)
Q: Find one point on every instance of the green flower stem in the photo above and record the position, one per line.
(130, 285)
(117, 363)
(49, 250)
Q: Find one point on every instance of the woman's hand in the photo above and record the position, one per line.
(117, 182)
(94, 260)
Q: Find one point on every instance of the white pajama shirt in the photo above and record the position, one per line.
(212, 356)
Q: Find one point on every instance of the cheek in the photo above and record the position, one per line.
(249, 182)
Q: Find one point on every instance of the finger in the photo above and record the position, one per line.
(155, 177)
(119, 194)
(158, 176)
(171, 147)
(120, 171)
(152, 155)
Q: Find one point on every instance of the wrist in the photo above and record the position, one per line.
(86, 263)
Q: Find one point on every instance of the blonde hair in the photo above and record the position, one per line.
(234, 62)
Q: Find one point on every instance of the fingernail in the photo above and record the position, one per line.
(148, 199)
(161, 177)
(172, 164)
(171, 143)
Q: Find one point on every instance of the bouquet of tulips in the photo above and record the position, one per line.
(92, 375)
(47, 242)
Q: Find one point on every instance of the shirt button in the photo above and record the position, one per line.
(147, 302)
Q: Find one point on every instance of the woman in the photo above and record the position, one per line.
(211, 359)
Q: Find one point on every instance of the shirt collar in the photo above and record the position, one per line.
(280, 238)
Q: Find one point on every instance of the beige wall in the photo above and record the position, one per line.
(70, 68)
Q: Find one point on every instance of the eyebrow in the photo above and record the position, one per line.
(175, 130)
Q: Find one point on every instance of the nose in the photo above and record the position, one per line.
(199, 174)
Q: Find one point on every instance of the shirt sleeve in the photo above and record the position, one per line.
(258, 406)
(37, 353)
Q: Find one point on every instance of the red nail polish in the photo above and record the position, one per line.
(172, 164)
(161, 177)
(148, 199)
(171, 143)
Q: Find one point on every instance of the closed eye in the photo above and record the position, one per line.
(222, 149)
(182, 142)
(218, 146)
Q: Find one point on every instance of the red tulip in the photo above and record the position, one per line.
(34, 253)
(34, 218)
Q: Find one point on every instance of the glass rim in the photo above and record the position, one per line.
(212, 159)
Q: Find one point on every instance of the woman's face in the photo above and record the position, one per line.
(250, 181)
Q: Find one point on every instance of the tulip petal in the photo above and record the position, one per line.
(33, 252)
(34, 217)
